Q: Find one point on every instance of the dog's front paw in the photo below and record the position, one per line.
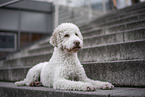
(89, 87)
(36, 83)
(106, 86)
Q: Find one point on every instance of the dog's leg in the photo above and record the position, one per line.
(32, 75)
(72, 85)
(20, 83)
(99, 84)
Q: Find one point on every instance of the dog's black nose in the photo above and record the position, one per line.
(77, 43)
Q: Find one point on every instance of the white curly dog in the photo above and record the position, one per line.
(64, 70)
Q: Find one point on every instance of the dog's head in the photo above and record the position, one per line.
(67, 37)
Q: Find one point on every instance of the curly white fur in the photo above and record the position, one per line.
(64, 70)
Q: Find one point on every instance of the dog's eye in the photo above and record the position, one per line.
(66, 35)
(76, 34)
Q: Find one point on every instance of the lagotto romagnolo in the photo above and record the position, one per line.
(64, 70)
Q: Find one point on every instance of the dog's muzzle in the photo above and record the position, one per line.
(75, 48)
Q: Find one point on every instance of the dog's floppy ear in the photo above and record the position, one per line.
(53, 39)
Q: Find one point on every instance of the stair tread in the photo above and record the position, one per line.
(116, 15)
(33, 91)
(120, 73)
(103, 36)
(83, 63)
(114, 43)
(95, 46)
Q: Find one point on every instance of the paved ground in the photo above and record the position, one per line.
(10, 90)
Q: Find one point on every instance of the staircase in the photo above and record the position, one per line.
(77, 15)
(114, 51)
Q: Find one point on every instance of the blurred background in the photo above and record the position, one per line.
(24, 21)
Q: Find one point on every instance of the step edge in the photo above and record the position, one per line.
(96, 46)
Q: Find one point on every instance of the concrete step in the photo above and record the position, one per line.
(14, 73)
(120, 73)
(70, 15)
(130, 18)
(99, 34)
(115, 18)
(134, 7)
(119, 15)
(63, 9)
(26, 60)
(121, 36)
(125, 26)
(85, 27)
(41, 49)
(132, 10)
(24, 51)
(105, 39)
(88, 33)
(136, 33)
(77, 20)
(123, 17)
(115, 51)
(94, 31)
(129, 35)
(114, 28)
(8, 89)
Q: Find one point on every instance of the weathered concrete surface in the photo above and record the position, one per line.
(93, 32)
(103, 39)
(129, 35)
(42, 49)
(120, 20)
(120, 73)
(24, 51)
(26, 61)
(125, 26)
(13, 73)
(135, 34)
(119, 51)
(10, 90)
